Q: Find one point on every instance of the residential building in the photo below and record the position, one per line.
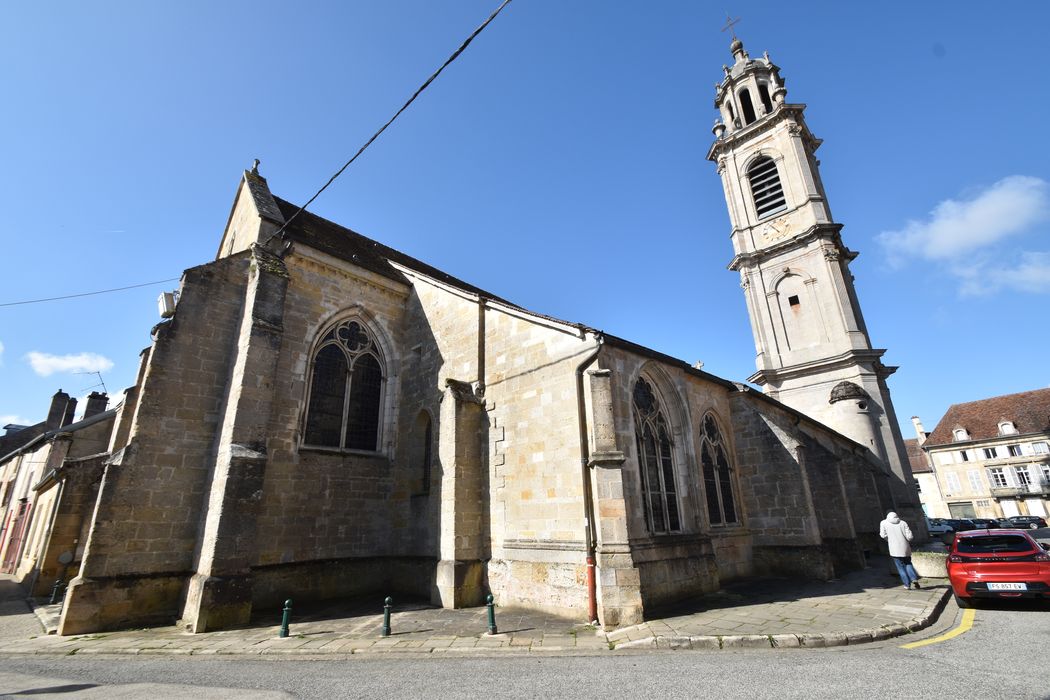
(991, 457)
(922, 471)
(47, 490)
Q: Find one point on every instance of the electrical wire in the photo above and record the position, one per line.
(280, 231)
(88, 294)
(424, 86)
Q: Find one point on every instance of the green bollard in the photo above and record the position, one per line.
(387, 604)
(54, 591)
(492, 614)
(285, 618)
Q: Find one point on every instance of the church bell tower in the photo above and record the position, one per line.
(813, 351)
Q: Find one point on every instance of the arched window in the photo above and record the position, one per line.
(765, 187)
(763, 94)
(346, 390)
(960, 434)
(746, 107)
(659, 491)
(718, 478)
(1007, 428)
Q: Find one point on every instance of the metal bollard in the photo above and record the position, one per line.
(387, 604)
(54, 591)
(285, 618)
(492, 614)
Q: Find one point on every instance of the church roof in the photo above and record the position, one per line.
(346, 244)
(1029, 411)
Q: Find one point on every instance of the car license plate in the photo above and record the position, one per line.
(1007, 587)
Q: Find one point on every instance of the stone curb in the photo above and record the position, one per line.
(787, 641)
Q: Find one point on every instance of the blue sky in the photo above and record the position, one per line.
(559, 163)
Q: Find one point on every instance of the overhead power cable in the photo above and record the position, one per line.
(424, 86)
(88, 294)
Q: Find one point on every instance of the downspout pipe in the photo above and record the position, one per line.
(585, 473)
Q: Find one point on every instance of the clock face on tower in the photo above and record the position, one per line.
(774, 230)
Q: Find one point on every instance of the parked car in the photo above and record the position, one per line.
(960, 524)
(937, 526)
(1029, 521)
(985, 523)
(1000, 564)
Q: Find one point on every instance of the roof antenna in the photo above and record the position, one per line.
(101, 383)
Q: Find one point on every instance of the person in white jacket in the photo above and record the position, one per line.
(898, 536)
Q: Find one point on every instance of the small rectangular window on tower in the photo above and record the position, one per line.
(793, 300)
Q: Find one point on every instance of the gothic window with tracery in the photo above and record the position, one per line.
(718, 475)
(659, 490)
(346, 390)
(766, 189)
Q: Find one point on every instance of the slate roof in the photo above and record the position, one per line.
(10, 443)
(1029, 411)
(345, 244)
(916, 457)
(43, 436)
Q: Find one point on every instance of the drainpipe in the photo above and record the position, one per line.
(588, 501)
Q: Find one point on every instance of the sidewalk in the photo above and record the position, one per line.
(861, 607)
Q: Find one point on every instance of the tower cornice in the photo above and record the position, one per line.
(783, 112)
(828, 232)
(850, 358)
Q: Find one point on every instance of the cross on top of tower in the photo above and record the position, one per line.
(730, 21)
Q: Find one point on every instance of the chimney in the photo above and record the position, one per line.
(920, 432)
(56, 416)
(71, 409)
(96, 403)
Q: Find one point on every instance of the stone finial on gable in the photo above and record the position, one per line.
(254, 216)
(260, 191)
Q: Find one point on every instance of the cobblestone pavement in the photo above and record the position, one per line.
(861, 607)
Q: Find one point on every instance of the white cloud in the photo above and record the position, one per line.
(1, 354)
(1030, 274)
(959, 227)
(967, 238)
(7, 418)
(46, 365)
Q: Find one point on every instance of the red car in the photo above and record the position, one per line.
(997, 564)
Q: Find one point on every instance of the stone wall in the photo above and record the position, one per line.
(674, 565)
(778, 502)
(833, 510)
(336, 578)
(859, 476)
(328, 519)
(145, 528)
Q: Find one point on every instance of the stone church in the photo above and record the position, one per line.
(324, 416)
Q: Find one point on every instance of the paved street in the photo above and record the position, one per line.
(999, 657)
